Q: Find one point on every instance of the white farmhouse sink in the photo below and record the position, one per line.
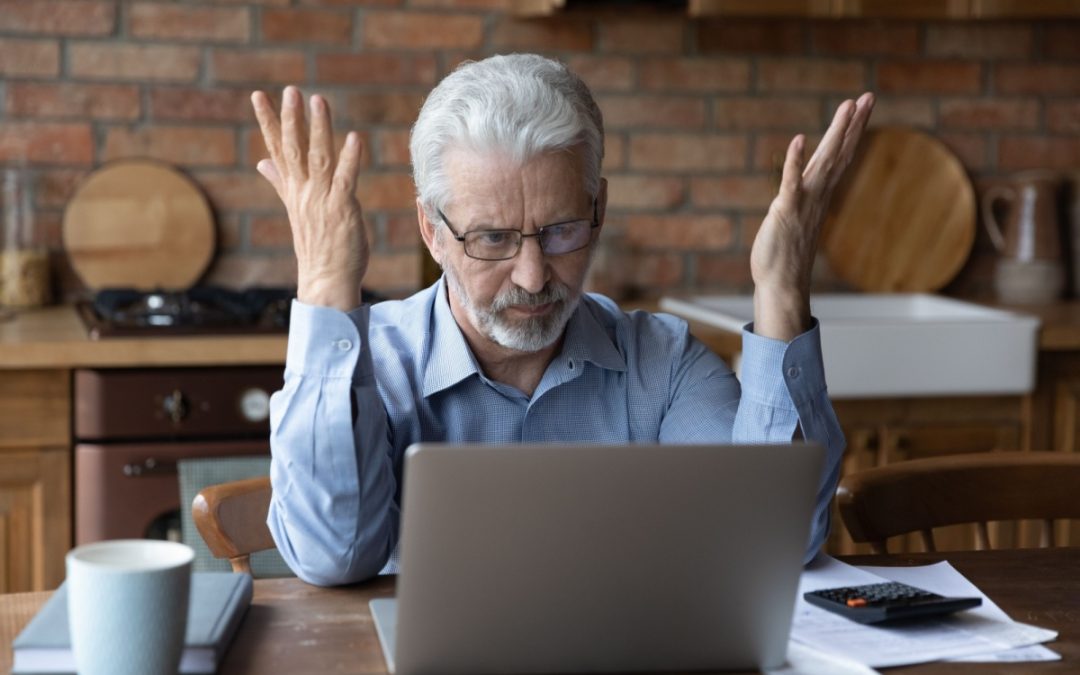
(877, 345)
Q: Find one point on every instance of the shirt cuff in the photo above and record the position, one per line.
(785, 372)
(326, 342)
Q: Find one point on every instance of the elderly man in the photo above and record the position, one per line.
(505, 347)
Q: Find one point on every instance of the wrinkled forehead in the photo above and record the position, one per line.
(489, 184)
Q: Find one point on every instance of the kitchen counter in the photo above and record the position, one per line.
(55, 337)
(1060, 330)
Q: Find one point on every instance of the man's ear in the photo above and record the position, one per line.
(427, 233)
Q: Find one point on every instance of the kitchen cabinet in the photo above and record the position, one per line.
(886, 431)
(35, 478)
(1056, 419)
(886, 9)
(39, 350)
(837, 9)
(883, 431)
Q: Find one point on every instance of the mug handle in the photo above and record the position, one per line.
(993, 228)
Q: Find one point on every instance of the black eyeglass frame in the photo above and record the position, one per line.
(522, 237)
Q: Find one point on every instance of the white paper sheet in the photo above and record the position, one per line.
(803, 660)
(942, 578)
(960, 635)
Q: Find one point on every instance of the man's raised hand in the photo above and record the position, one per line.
(782, 256)
(318, 188)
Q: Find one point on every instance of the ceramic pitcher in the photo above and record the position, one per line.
(1031, 268)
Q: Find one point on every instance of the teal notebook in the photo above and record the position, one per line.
(218, 603)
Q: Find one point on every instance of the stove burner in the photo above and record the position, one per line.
(198, 310)
(199, 306)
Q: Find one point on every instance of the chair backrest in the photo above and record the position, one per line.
(919, 495)
(231, 518)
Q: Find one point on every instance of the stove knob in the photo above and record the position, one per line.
(255, 405)
(176, 406)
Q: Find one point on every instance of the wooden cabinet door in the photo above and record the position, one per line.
(882, 432)
(35, 518)
(35, 478)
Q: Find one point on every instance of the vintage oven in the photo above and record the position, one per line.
(132, 425)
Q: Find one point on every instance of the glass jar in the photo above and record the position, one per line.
(24, 266)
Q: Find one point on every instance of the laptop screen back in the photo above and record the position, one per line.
(549, 558)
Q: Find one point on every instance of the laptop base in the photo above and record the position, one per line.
(384, 612)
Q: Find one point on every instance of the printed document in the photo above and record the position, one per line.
(971, 633)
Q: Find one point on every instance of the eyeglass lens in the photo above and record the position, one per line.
(554, 240)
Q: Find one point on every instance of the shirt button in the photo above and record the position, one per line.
(793, 372)
(344, 345)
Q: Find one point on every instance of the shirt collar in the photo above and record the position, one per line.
(451, 360)
(588, 340)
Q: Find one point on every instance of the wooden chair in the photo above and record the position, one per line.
(231, 517)
(918, 495)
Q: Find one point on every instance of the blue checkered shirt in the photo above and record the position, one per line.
(360, 387)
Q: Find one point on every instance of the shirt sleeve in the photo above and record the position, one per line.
(333, 514)
(783, 389)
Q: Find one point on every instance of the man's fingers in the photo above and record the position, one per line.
(268, 124)
(269, 171)
(791, 183)
(863, 107)
(321, 152)
(294, 133)
(348, 166)
(825, 156)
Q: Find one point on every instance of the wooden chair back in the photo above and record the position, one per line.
(231, 517)
(919, 495)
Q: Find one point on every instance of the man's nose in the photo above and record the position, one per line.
(531, 270)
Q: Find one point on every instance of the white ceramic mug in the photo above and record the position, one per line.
(128, 606)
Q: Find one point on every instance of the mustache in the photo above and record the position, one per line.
(553, 293)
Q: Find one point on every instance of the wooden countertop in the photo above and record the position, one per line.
(1060, 330)
(54, 337)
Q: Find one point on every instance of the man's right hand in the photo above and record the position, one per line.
(319, 194)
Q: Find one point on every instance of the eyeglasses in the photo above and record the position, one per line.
(555, 239)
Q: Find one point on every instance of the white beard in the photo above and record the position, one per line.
(527, 335)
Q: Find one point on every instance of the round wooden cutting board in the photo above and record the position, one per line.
(903, 218)
(139, 224)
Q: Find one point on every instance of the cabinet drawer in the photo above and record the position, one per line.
(35, 408)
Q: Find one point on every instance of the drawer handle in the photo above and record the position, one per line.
(149, 467)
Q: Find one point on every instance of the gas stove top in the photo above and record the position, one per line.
(196, 311)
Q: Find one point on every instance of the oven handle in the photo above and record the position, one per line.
(150, 467)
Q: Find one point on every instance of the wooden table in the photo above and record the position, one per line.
(296, 628)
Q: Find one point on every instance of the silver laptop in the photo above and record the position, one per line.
(590, 558)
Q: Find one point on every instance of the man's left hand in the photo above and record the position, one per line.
(782, 256)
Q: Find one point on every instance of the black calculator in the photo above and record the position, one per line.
(891, 601)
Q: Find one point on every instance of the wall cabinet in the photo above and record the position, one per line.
(35, 478)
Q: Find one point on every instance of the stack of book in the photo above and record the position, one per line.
(218, 603)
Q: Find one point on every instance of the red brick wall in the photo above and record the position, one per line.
(698, 112)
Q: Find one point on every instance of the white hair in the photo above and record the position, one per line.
(521, 105)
